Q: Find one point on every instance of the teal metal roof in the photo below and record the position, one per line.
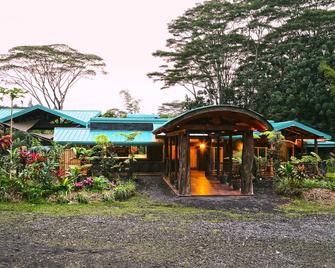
(321, 144)
(286, 124)
(143, 116)
(86, 136)
(129, 120)
(4, 112)
(81, 117)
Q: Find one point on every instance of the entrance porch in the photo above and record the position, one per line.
(198, 150)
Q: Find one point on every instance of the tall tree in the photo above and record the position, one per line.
(203, 52)
(290, 85)
(131, 104)
(171, 109)
(48, 72)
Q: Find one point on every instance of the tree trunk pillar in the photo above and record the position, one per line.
(230, 158)
(208, 156)
(184, 165)
(218, 157)
(247, 162)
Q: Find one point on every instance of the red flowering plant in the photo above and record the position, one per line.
(5, 142)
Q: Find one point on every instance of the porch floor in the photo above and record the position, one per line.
(201, 185)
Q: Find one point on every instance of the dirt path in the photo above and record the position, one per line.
(156, 237)
(153, 240)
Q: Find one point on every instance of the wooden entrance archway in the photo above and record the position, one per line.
(211, 123)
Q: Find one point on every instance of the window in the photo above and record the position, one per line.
(140, 152)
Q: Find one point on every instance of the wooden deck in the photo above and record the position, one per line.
(202, 186)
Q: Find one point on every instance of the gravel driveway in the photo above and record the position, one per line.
(160, 239)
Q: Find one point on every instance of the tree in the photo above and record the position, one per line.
(13, 94)
(171, 109)
(48, 72)
(329, 73)
(115, 112)
(290, 86)
(132, 105)
(259, 54)
(203, 52)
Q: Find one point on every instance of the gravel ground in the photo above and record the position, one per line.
(169, 240)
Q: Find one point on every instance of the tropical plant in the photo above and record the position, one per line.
(124, 190)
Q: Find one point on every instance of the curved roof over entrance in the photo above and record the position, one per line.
(217, 118)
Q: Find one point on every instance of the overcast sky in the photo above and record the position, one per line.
(123, 32)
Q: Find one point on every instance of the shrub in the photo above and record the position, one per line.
(81, 199)
(107, 196)
(100, 183)
(124, 190)
(62, 199)
(289, 186)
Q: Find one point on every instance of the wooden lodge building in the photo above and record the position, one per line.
(197, 152)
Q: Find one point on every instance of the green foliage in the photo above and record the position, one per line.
(171, 109)
(262, 55)
(329, 73)
(102, 140)
(124, 190)
(115, 113)
(100, 183)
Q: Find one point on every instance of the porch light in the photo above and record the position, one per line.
(202, 146)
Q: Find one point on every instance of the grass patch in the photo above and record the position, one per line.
(299, 206)
(139, 205)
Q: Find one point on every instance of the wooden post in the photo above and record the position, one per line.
(208, 156)
(184, 166)
(230, 156)
(170, 160)
(302, 147)
(316, 150)
(218, 157)
(176, 157)
(247, 162)
(166, 156)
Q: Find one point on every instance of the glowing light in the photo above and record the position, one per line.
(202, 146)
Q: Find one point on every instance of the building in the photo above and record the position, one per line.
(189, 149)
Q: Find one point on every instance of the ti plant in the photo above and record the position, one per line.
(13, 94)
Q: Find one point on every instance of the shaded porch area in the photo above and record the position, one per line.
(209, 186)
(198, 150)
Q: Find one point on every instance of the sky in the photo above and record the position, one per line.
(124, 33)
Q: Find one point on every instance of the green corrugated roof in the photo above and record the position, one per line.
(129, 120)
(87, 136)
(4, 112)
(282, 125)
(322, 144)
(81, 117)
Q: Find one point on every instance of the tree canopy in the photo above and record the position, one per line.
(258, 54)
(48, 72)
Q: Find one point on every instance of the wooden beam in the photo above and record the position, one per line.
(176, 133)
(210, 127)
(247, 162)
